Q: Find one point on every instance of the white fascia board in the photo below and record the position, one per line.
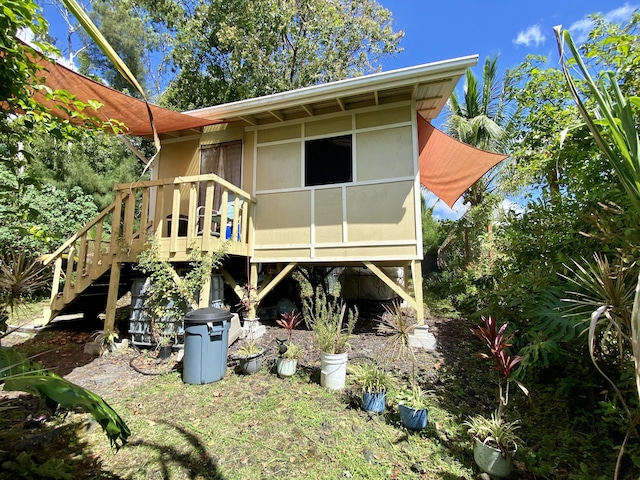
(351, 86)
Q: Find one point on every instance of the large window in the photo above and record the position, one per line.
(328, 161)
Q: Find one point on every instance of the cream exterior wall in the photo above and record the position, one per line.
(374, 217)
(371, 218)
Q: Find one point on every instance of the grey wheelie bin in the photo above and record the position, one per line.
(206, 338)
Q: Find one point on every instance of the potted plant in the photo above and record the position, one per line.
(375, 383)
(250, 357)
(413, 405)
(494, 440)
(288, 360)
(494, 443)
(288, 352)
(326, 319)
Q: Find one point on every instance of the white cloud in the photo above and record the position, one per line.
(441, 211)
(581, 28)
(531, 36)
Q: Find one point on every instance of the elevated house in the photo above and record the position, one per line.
(327, 175)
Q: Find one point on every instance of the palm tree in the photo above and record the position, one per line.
(481, 118)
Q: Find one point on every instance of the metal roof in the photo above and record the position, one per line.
(430, 85)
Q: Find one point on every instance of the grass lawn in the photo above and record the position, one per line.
(260, 426)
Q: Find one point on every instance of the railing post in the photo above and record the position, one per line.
(115, 224)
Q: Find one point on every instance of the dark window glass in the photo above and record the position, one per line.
(328, 160)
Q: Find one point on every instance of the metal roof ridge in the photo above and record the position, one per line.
(348, 86)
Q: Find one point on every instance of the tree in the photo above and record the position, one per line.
(481, 118)
(229, 50)
(140, 40)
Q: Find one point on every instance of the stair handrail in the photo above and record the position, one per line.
(47, 258)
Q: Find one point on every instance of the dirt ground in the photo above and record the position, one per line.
(60, 348)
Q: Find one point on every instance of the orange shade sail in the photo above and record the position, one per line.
(449, 167)
(116, 105)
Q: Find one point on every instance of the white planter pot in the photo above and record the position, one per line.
(333, 373)
(286, 367)
(491, 460)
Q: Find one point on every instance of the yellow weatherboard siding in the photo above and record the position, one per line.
(383, 117)
(275, 134)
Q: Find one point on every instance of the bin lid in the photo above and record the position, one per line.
(206, 315)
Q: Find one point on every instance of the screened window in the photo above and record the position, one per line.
(328, 161)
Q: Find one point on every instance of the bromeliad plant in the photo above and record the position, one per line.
(498, 342)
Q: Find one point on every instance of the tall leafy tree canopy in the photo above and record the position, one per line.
(228, 50)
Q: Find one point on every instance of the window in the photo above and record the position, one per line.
(328, 161)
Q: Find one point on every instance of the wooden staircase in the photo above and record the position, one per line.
(93, 267)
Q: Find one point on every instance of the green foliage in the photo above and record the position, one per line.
(371, 377)
(231, 50)
(24, 466)
(19, 374)
(326, 319)
(413, 397)
(433, 232)
(495, 431)
(93, 161)
(170, 297)
(293, 351)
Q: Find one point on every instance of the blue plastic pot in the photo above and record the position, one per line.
(412, 418)
(374, 401)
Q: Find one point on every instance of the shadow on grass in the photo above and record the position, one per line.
(32, 446)
(196, 461)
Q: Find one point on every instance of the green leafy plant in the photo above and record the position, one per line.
(495, 432)
(611, 117)
(326, 319)
(413, 397)
(292, 352)
(371, 377)
(106, 339)
(250, 349)
(169, 296)
(20, 374)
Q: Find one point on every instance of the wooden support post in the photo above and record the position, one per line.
(112, 296)
(416, 275)
(253, 283)
(205, 293)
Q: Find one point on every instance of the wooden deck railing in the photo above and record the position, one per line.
(198, 211)
(146, 208)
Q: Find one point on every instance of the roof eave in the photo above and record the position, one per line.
(348, 87)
